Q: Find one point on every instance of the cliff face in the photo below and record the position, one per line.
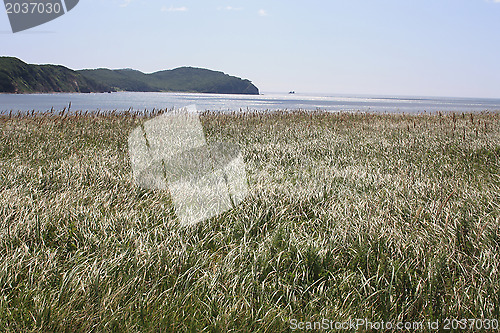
(17, 76)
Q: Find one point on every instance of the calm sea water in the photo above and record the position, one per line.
(139, 101)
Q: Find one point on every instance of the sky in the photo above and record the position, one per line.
(351, 47)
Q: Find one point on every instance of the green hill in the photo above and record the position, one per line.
(183, 79)
(17, 76)
(122, 79)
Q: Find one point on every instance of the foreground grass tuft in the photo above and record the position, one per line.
(385, 217)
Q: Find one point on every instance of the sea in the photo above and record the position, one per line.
(148, 101)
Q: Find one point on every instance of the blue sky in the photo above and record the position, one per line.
(386, 47)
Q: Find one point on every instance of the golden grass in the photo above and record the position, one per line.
(350, 215)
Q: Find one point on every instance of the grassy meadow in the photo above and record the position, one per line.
(350, 215)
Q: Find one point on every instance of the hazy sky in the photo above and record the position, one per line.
(388, 47)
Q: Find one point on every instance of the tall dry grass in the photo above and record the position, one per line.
(385, 217)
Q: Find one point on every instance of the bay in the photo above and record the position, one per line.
(140, 101)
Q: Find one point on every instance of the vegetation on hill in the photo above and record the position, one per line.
(122, 79)
(17, 76)
(183, 79)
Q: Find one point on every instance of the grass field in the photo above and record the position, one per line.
(384, 217)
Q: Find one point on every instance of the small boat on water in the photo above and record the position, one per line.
(291, 92)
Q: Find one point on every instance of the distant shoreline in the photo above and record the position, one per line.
(120, 91)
